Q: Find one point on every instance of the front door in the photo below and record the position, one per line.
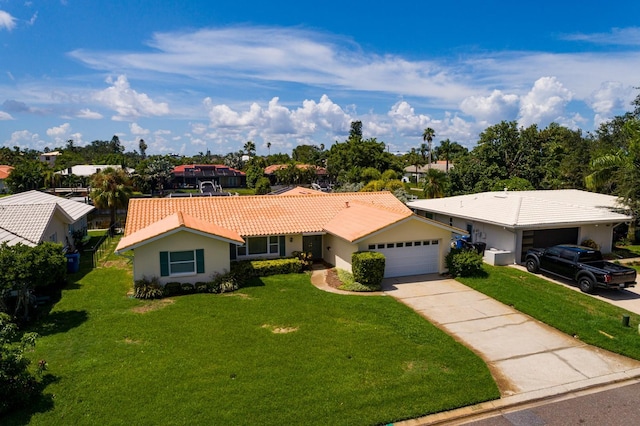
(313, 244)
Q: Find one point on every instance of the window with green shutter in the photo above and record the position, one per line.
(178, 263)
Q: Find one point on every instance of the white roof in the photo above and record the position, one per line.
(518, 209)
(24, 217)
(86, 170)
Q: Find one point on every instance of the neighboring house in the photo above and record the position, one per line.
(517, 221)
(5, 171)
(191, 239)
(50, 157)
(321, 173)
(412, 172)
(190, 176)
(88, 170)
(33, 217)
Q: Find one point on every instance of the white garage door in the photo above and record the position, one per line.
(409, 257)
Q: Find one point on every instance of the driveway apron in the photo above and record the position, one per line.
(525, 356)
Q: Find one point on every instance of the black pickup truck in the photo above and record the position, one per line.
(583, 265)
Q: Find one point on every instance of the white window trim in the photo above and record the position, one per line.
(183, 274)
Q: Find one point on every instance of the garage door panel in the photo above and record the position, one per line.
(413, 260)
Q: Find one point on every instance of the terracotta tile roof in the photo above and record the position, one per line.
(359, 220)
(5, 171)
(274, 215)
(172, 223)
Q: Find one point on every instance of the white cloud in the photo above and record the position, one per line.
(25, 139)
(7, 21)
(609, 96)
(491, 109)
(59, 131)
(617, 36)
(89, 115)
(544, 103)
(138, 130)
(5, 116)
(128, 103)
(407, 122)
(60, 134)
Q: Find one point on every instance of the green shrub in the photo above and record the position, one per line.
(306, 257)
(464, 263)
(187, 288)
(368, 268)
(590, 243)
(18, 386)
(148, 289)
(172, 289)
(223, 283)
(247, 269)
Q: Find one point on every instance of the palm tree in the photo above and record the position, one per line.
(435, 183)
(111, 189)
(269, 147)
(250, 148)
(445, 150)
(427, 136)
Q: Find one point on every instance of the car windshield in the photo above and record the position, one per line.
(590, 256)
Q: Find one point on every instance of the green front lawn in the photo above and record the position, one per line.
(277, 352)
(591, 320)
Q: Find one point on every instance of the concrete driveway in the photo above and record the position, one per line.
(528, 359)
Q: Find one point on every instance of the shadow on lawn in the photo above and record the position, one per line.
(41, 404)
(60, 322)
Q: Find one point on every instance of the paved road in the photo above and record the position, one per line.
(616, 406)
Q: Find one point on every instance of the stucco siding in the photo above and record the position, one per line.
(146, 261)
(601, 234)
(56, 227)
(340, 253)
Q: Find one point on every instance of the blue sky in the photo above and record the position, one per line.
(213, 75)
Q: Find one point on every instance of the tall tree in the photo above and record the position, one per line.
(435, 184)
(143, 148)
(269, 148)
(111, 189)
(250, 148)
(427, 136)
(448, 150)
(619, 171)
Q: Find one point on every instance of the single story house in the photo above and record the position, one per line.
(33, 217)
(515, 221)
(420, 171)
(191, 239)
(190, 176)
(88, 170)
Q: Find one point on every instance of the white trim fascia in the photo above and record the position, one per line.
(174, 231)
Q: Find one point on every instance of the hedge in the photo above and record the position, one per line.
(368, 268)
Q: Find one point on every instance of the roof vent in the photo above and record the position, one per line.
(346, 204)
